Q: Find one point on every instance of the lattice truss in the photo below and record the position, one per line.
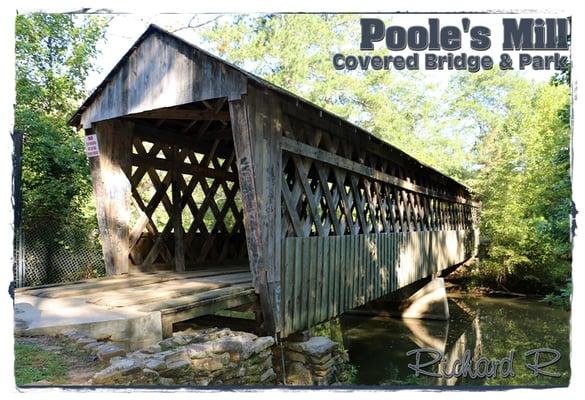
(319, 199)
(206, 199)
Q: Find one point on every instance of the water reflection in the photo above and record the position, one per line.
(487, 327)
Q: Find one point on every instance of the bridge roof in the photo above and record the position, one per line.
(76, 119)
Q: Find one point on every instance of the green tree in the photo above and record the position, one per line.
(522, 175)
(295, 52)
(54, 54)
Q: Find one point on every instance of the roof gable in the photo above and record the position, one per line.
(160, 70)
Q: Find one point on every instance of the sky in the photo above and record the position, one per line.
(124, 29)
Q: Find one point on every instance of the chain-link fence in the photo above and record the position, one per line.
(52, 254)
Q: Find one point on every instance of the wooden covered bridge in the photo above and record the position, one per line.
(208, 170)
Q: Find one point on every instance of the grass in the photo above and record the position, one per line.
(33, 364)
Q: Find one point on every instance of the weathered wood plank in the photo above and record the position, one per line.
(320, 314)
(367, 274)
(355, 273)
(298, 279)
(372, 269)
(331, 268)
(177, 215)
(334, 276)
(325, 312)
(183, 114)
(205, 307)
(347, 269)
(340, 281)
(112, 190)
(323, 180)
(290, 206)
(187, 302)
(305, 282)
(192, 169)
(288, 258)
(384, 259)
(378, 266)
(252, 218)
(195, 143)
(268, 146)
(340, 269)
(312, 304)
(388, 261)
(349, 273)
(392, 264)
(165, 291)
(360, 268)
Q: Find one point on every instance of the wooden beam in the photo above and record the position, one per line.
(184, 114)
(169, 136)
(205, 307)
(245, 143)
(178, 213)
(314, 153)
(112, 190)
(193, 169)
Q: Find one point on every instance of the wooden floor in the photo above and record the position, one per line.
(178, 296)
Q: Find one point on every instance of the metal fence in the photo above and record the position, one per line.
(49, 254)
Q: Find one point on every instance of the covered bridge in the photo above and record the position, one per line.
(205, 167)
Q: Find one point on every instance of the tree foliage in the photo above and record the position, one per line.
(522, 175)
(505, 136)
(295, 52)
(54, 54)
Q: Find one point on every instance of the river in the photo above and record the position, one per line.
(494, 328)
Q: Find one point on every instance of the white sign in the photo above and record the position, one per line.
(91, 146)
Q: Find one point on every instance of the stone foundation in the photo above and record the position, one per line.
(193, 357)
(215, 356)
(315, 361)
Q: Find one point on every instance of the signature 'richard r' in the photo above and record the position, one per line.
(536, 360)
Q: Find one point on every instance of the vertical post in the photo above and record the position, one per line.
(19, 264)
(177, 213)
(112, 189)
(246, 146)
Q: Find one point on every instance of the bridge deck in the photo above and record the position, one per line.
(172, 297)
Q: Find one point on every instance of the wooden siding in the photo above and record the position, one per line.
(326, 276)
(161, 71)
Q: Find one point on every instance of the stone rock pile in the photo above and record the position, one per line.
(193, 357)
(315, 361)
(103, 350)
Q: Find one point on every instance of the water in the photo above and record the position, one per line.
(488, 327)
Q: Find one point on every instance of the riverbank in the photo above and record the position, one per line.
(471, 278)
